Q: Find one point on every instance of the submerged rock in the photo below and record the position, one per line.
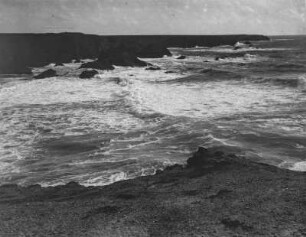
(46, 74)
(88, 74)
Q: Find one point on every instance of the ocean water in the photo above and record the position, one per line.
(131, 122)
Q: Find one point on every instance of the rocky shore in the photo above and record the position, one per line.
(214, 194)
(21, 52)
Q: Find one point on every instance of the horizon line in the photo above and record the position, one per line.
(75, 32)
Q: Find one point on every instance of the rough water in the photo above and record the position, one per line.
(131, 121)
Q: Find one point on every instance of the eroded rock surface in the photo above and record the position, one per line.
(216, 194)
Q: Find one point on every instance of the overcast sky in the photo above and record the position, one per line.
(154, 16)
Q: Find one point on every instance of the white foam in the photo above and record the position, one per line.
(229, 49)
(103, 178)
(299, 166)
(207, 100)
(41, 109)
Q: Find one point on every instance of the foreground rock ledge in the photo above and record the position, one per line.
(214, 195)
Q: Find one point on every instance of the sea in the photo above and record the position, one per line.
(131, 122)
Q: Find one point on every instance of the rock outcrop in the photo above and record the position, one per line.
(216, 194)
(120, 54)
(88, 74)
(46, 74)
(19, 52)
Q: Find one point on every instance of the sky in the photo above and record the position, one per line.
(120, 17)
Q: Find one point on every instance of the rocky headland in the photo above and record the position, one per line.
(214, 194)
(21, 52)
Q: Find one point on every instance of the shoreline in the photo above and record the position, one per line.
(216, 194)
(21, 52)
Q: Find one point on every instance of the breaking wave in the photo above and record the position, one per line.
(131, 122)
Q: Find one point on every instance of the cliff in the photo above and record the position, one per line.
(19, 52)
(216, 194)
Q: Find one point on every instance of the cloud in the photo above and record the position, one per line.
(154, 16)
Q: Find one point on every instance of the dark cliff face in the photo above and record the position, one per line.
(120, 54)
(19, 52)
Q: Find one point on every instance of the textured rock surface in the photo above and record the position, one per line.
(215, 195)
(88, 74)
(46, 74)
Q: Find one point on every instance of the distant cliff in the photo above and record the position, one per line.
(19, 52)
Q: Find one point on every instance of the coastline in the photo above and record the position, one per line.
(21, 52)
(216, 194)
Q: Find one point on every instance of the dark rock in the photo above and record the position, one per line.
(34, 188)
(153, 68)
(243, 199)
(174, 167)
(181, 57)
(46, 74)
(155, 50)
(207, 158)
(72, 185)
(169, 72)
(120, 55)
(88, 74)
(97, 65)
(22, 51)
(58, 64)
(77, 61)
(120, 81)
(221, 57)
